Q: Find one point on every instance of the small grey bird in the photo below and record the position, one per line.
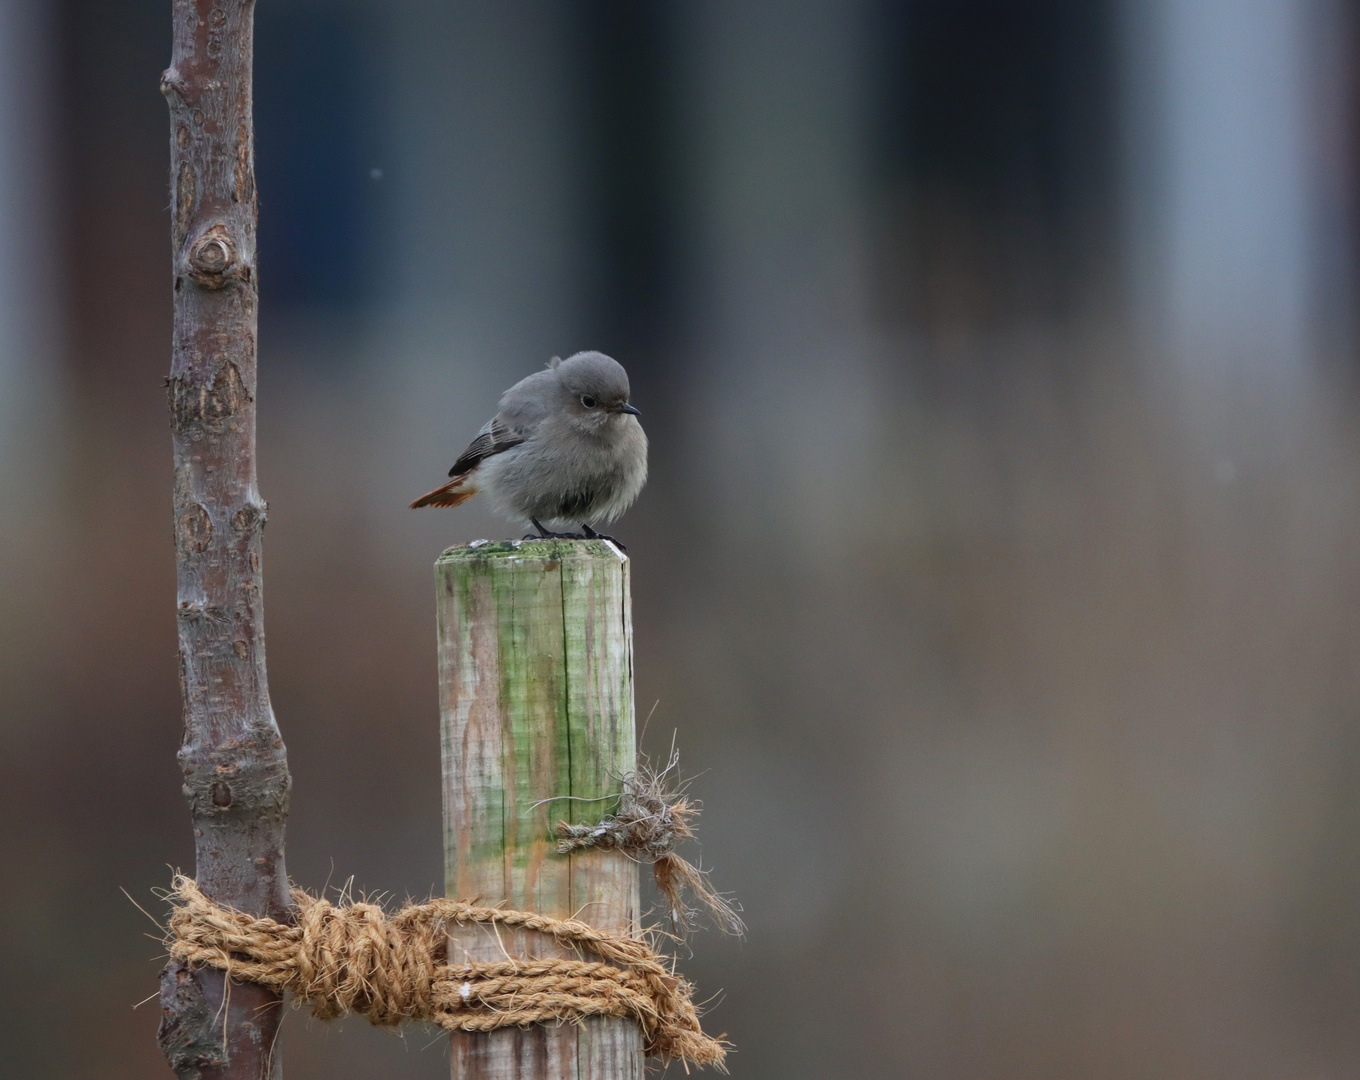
(565, 449)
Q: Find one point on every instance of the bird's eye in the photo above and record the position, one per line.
(588, 401)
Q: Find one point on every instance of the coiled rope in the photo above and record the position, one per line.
(355, 958)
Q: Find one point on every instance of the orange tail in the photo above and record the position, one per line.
(456, 491)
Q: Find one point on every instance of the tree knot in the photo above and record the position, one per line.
(214, 260)
(172, 82)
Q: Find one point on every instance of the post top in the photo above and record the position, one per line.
(534, 550)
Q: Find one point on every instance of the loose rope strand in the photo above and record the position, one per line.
(654, 815)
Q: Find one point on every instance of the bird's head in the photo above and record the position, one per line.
(595, 390)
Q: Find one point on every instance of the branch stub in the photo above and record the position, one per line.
(213, 258)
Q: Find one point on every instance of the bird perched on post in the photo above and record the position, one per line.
(565, 449)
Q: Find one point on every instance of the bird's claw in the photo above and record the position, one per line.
(591, 534)
(586, 533)
(544, 534)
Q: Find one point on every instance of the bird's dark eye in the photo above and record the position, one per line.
(587, 401)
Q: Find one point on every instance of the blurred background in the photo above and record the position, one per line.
(997, 578)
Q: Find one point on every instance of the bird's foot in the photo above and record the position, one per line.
(591, 534)
(544, 534)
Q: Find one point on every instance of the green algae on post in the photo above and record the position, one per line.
(536, 701)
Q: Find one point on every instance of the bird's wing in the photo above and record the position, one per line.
(496, 436)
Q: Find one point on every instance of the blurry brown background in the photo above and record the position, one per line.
(999, 569)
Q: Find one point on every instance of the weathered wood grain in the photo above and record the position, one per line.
(535, 663)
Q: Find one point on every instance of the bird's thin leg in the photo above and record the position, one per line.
(544, 534)
(591, 534)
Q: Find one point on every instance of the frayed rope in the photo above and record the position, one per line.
(654, 814)
(355, 958)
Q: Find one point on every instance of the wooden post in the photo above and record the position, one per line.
(234, 768)
(536, 687)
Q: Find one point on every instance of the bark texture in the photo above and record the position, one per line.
(235, 769)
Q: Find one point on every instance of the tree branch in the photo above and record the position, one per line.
(235, 768)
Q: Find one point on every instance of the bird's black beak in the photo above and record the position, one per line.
(625, 407)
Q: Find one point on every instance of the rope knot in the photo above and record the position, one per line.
(354, 958)
(654, 815)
